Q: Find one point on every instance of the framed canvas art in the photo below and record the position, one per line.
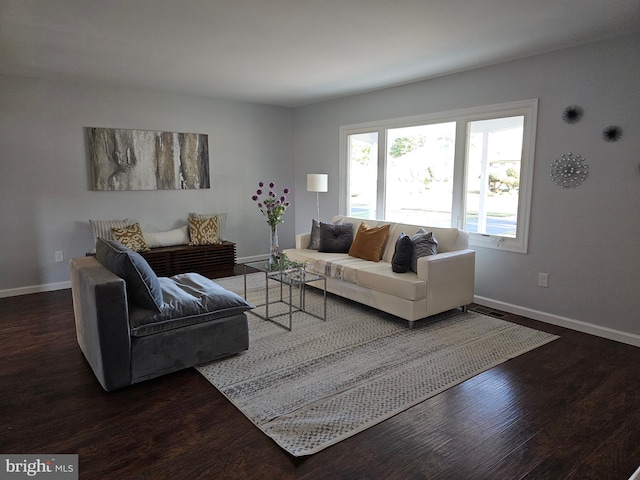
(147, 160)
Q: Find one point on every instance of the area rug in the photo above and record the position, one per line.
(326, 381)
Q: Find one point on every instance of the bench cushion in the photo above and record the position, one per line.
(189, 298)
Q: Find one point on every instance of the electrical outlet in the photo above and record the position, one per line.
(543, 280)
(59, 256)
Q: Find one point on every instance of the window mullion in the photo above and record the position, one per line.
(382, 174)
(459, 176)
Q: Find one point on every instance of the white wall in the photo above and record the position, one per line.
(45, 192)
(588, 238)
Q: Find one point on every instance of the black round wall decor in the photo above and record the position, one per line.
(572, 114)
(612, 133)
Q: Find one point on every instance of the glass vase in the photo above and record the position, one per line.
(274, 248)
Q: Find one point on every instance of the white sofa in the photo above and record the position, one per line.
(443, 281)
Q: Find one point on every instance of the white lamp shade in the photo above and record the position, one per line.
(317, 182)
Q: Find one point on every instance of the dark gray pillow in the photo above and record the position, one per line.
(143, 287)
(401, 260)
(424, 243)
(314, 244)
(335, 238)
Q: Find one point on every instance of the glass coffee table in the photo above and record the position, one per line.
(290, 278)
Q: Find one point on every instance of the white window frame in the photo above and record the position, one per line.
(526, 108)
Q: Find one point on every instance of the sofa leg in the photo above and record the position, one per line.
(464, 308)
(411, 324)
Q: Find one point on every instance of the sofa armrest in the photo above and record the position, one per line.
(102, 321)
(303, 240)
(450, 278)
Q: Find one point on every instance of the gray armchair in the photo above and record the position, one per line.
(128, 339)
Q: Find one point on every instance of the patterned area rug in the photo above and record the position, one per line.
(326, 381)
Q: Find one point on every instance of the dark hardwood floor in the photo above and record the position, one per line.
(567, 410)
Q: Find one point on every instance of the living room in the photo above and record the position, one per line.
(579, 236)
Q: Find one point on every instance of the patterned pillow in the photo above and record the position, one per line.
(204, 231)
(131, 237)
(369, 242)
(424, 243)
(222, 221)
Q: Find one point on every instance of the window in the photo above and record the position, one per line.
(470, 169)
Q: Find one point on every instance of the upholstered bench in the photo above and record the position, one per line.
(132, 325)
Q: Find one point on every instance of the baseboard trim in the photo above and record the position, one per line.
(578, 325)
(49, 287)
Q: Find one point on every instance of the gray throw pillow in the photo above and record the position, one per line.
(143, 286)
(335, 238)
(314, 244)
(424, 243)
(401, 260)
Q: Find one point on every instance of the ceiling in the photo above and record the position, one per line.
(289, 52)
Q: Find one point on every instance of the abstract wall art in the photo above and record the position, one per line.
(147, 160)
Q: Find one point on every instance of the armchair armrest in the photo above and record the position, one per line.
(102, 321)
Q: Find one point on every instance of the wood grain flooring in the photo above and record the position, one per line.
(567, 410)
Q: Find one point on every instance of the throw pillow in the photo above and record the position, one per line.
(143, 286)
(204, 231)
(424, 243)
(222, 222)
(131, 237)
(314, 243)
(335, 238)
(177, 236)
(102, 229)
(369, 242)
(401, 260)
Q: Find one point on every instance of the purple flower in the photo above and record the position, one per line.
(272, 205)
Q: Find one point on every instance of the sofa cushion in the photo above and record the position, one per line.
(190, 298)
(131, 237)
(335, 238)
(369, 242)
(379, 277)
(143, 286)
(401, 261)
(424, 244)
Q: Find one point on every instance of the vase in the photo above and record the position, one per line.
(274, 248)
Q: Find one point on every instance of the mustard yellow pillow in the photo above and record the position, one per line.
(369, 242)
(131, 237)
(204, 231)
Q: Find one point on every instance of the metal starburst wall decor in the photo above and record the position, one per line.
(569, 170)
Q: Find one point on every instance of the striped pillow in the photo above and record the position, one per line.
(102, 229)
